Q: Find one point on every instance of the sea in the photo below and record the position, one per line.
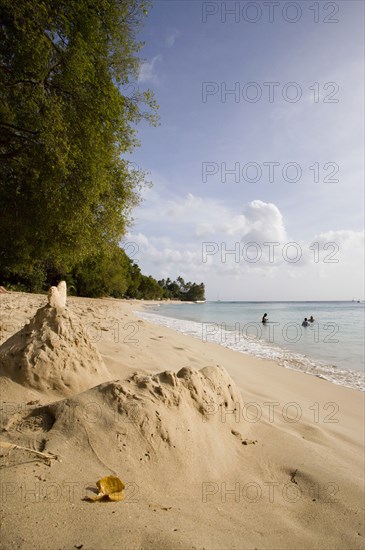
(332, 347)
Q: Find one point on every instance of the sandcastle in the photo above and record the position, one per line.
(53, 353)
(57, 295)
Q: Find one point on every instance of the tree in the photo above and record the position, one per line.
(149, 288)
(134, 281)
(195, 293)
(65, 190)
(179, 290)
(103, 274)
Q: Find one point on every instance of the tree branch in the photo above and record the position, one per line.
(18, 129)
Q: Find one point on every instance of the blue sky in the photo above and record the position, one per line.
(277, 160)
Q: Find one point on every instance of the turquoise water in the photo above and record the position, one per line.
(332, 347)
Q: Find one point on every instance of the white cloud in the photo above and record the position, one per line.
(204, 229)
(188, 211)
(148, 72)
(346, 247)
(203, 240)
(171, 37)
(260, 222)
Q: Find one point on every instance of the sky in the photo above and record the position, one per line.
(258, 162)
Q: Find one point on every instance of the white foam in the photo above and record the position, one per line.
(259, 348)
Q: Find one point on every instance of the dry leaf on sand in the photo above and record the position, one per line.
(110, 487)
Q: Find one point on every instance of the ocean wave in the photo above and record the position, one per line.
(259, 348)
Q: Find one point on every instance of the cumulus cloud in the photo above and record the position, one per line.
(207, 244)
(205, 241)
(339, 246)
(259, 222)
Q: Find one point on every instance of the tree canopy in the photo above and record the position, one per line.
(118, 276)
(69, 107)
(66, 192)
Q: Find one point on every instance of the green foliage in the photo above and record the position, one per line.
(149, 288)
(103, 274)
(65, 191)
(115, 274)
(179, 290)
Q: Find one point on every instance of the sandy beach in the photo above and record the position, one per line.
(216, 449)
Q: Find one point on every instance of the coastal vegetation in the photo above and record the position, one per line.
(118, 276)
(69, 106)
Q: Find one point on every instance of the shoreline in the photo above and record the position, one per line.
(261, 349)
(193, 487)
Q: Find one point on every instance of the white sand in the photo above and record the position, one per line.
(218, 450)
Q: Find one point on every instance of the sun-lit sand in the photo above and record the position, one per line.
(217, 450)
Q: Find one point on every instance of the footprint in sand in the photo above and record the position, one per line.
(29, 431)
(36, 422)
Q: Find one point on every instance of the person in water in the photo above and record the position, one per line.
(305, 322)
(311, 319)
(264, 318)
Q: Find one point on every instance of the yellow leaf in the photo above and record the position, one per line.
(111, 487)
(109, 484)
(116, 496)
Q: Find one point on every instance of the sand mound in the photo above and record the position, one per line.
(52, 354)
(186, 420)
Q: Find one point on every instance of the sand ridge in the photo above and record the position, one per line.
(146, 425)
